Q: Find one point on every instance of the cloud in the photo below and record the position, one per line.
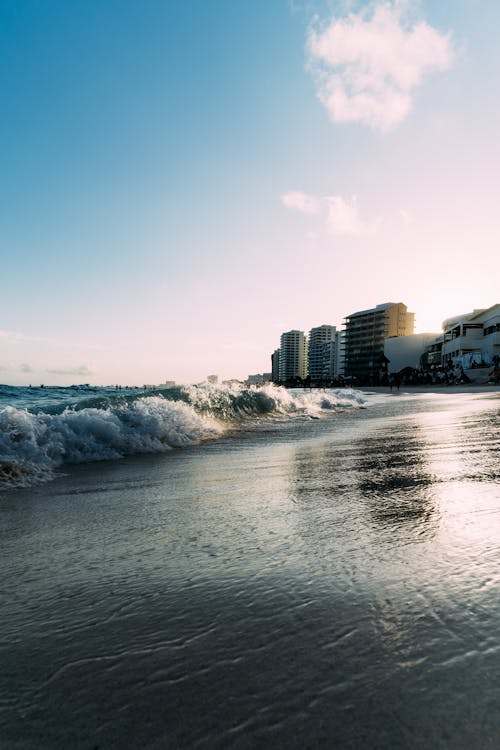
(14, 337)
(82, 370)
(367, 64)
(25, 367)
(307, 204)
(341, 215)
(405, 217)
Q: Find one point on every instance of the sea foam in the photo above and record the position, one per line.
(33, 443)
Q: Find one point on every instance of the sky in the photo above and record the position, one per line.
(182, 181)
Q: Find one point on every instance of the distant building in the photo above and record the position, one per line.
(166, 384)
(264, 377)
(339, 367)
(366, 332)
(275, 366)
(408, 351)
(293, 356)
(321, 353)
(213, 379)
(473, 338)
(434, 351)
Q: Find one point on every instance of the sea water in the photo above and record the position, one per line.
(42, 429)
(285, 581)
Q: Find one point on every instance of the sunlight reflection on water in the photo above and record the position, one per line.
(333, 585)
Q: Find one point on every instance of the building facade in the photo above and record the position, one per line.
(321, 353)
(293, 356)
(472, 339)
(408, 351)
(275, 366)
(366, 332)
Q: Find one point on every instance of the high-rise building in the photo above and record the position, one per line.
(321, 353)
(275, 366)
(365, 334)
(293, 355)
(339, 366)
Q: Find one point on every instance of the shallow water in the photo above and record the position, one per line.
(328, 583)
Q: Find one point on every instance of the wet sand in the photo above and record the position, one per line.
(444, 389)
(328, 584)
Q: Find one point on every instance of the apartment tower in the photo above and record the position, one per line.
(365, 335)
(321, 353)
(293, 356)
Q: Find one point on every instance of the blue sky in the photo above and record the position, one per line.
(181, 182)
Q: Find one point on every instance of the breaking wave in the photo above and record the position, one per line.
(34, 443)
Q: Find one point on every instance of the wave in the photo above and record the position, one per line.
(34, 444)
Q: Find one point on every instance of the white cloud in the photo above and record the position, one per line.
(82, 370)
(368, 64)
(341, 215)
(406, 217)
(306, 204)
(25, 367)
(15, 337)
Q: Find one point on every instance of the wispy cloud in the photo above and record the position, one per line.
(307, 204)
(25, 367)
(81, 370)
(341, 215)
(405, 217)
(368, 64)
(16, 337)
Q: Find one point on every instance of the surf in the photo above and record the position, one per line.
(36, 441)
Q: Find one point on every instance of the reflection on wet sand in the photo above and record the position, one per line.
(396, 482)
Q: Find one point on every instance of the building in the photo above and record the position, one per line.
(339, 368)
(472, 339)
(434, 352)
(258, 379)
(293, 356)
(212, 379)
(366, 332)
(275, 366)
(408, 351)
(324, 354)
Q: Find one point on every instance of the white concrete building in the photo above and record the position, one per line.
(293, 355)
(321, 353)
(407, 351)
(473, 338)
(339, 365)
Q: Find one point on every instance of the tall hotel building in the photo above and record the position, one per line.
(322, 353)
(275, 366)
(365, 334)
(292, 355)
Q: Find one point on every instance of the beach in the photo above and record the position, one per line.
(303, 582)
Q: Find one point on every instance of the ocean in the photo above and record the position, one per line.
(224, 567)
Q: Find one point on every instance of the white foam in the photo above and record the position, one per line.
(33, 445)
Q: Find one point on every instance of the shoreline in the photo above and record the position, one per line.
(445, 389)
